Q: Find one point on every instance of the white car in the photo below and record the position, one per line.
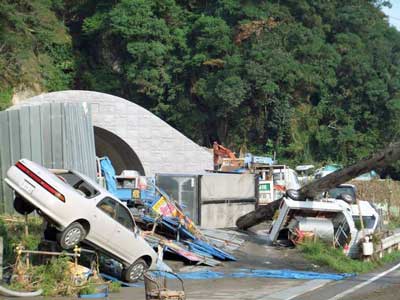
(81, 210)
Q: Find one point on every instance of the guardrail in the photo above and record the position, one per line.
(388, 244)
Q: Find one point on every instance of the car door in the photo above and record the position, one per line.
(104, 225)
(124, 237)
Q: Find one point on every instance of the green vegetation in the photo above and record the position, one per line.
(12, 229)
(5, 98)
(394, 222)
(314, 81)
(35, 48)
(54, 278)
(324, 255)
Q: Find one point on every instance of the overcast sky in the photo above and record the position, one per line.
(394, 13)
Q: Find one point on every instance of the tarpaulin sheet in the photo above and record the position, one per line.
(109, 174)
(227, 187)
(262, 273)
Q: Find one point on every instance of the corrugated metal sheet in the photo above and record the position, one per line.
(56, 135)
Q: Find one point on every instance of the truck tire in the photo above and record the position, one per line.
(22, 206)
(71, 236)
(135, 271)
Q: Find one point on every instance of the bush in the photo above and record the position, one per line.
(54, 278)
(324, 255)
(12, 229)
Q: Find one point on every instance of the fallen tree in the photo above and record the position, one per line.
(308, 192)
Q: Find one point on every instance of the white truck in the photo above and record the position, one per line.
(335, 218)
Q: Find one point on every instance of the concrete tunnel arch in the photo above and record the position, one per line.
(120, 153)
(149, 144)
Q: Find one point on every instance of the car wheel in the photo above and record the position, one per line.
(71, 236)
(135, 271)
(22, 206)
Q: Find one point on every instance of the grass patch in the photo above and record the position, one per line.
(394, 222)
(322, 254)
(5, 97)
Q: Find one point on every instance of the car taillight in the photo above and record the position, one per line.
(39, 180)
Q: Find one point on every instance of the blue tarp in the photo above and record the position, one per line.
(109, 174)
(241, 273)
(262, 273)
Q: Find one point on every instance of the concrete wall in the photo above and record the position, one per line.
(225, 198)
(158, 146)
(223, 215)
(58, 136)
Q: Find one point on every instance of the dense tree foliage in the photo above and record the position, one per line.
(35, 48)
(313, 80)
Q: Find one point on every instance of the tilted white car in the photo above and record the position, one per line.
(81, 210)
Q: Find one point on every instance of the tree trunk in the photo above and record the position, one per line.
(382, 159)
(262, 213)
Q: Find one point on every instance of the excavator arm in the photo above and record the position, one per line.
(221, 152)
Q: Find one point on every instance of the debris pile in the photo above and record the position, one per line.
(164, 224)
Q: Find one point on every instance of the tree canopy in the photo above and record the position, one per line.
(312, 80)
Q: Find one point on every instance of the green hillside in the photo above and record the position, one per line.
(313, 80)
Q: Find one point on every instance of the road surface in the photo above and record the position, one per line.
(380, 285)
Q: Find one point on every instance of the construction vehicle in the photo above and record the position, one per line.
(307, 199)
(225, 160)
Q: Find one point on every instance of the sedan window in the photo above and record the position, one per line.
(124, 217)
(109, 206)
(80, 185)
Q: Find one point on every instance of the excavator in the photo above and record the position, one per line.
(225, 159)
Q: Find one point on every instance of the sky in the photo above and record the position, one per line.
(393, 13)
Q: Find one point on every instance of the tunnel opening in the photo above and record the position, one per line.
(118, 151)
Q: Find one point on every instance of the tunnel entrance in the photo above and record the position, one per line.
(120, 153)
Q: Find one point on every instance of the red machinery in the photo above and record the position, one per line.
(223, 154)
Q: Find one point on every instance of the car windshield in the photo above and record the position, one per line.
(336, 192)
(368, 221)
